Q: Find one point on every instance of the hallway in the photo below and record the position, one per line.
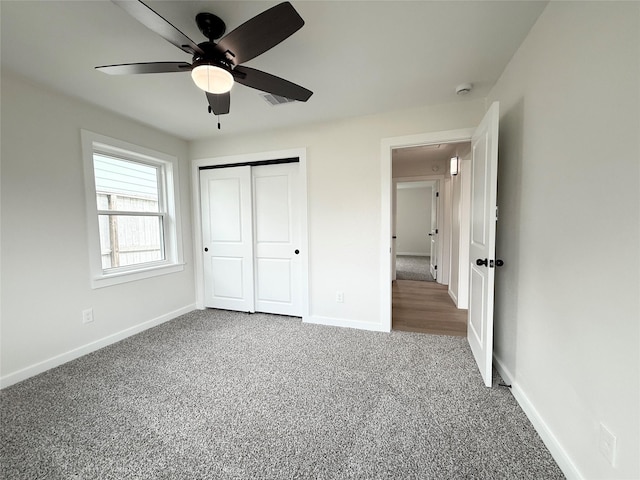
(426, 307)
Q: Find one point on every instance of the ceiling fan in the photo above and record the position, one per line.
(216, 66)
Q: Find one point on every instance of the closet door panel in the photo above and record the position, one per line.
(277, 239)
(227, 238)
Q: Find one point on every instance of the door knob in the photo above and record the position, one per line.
(481, 262)
(499, 263)
(296, 251)
(206, 249)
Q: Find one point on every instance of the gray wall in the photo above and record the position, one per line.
(345, 196)
(45, 263)
(413, 220)
(567, 316)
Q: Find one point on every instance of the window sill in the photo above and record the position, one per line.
(132, 276)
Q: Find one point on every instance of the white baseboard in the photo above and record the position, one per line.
(58, 360)
(558, 452)
(453, 297)
(341, 322)
(414, 254)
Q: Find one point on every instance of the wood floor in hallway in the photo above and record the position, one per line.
(426, 307)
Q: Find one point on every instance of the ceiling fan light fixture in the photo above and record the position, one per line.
(212, 79)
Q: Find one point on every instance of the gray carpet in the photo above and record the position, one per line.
(413, 267)
(217, 394)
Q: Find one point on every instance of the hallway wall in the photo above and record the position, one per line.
(413, 220)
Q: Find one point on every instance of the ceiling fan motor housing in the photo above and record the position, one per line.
(211, 56)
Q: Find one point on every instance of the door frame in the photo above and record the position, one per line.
(301, 154)
(394, 205)
(386, 185)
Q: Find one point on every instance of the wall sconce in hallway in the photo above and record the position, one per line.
(454, 166)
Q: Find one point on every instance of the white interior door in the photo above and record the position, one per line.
(278, 275)
(227, 238)
(484, 183)
(434, 233)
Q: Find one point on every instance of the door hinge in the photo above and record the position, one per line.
(437, 194)
(436, 230)
(496, 213)
(435, 267)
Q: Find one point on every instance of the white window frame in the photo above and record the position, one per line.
(172, 233)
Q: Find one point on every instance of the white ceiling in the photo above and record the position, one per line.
(358, 57)
(430, 153)
(417, 157)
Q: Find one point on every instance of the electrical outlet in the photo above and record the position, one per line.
(607, 444)
(340, 297)
(87, 315)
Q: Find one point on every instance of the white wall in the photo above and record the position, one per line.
(344, 198)
(45, 264)
(460, 224)
(413, 220)
(567, 316)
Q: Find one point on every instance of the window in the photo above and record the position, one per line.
(131, 210)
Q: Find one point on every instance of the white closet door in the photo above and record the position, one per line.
(277, 239)
(227, 238)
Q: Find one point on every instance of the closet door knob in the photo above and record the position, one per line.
(296, 251)
(206, 249)
(481, 262)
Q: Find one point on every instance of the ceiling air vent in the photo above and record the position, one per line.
(274, 100)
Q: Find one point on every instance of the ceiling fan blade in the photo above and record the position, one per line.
(150, 67)
(261, 33)
(219, 103)
(270, 83)
(155, 22)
